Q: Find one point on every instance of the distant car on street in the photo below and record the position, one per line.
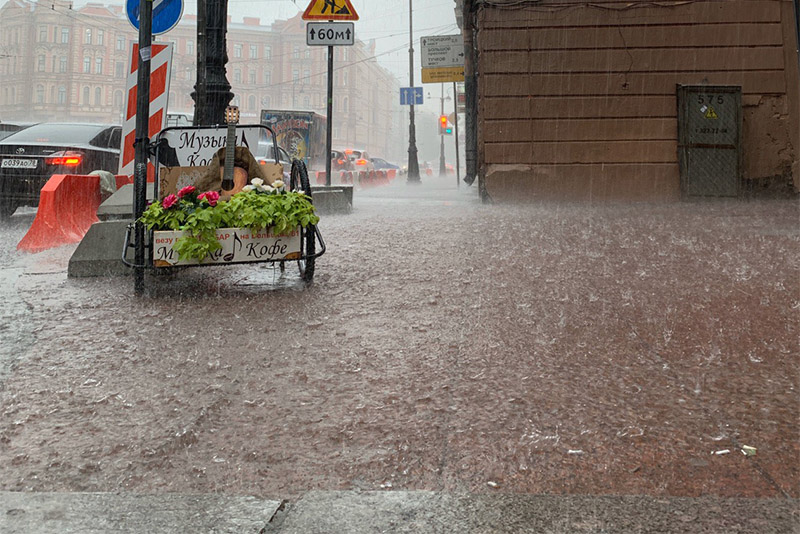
(340, 161)
(29, 157)
(361, 160)
(383, 165)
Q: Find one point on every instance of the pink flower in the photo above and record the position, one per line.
(169, 201)
(188, 190)
(210, 196)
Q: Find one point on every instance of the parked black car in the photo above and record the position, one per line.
(29, 157)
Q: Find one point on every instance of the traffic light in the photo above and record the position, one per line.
(444, 128)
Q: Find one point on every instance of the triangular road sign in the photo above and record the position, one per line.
(711, 114)
(330, 10)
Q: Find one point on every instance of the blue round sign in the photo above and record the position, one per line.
(166, 14)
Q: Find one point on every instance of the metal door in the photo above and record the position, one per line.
(709, 140)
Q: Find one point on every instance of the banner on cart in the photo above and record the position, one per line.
(195, 147)
(239, 245)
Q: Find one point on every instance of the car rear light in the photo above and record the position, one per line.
(361, 162)
(65, 158)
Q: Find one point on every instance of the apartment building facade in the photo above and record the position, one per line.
(59, 63)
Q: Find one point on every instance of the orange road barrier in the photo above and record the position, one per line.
(67, 208)
(123, 179)
(391, 173)
(320, 177)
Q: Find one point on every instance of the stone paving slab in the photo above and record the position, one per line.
(399, 512)
(101, 513)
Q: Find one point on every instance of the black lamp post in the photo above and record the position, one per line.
(212, 91)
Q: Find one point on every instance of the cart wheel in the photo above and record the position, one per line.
(299, 181)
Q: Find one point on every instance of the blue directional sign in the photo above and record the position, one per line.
(166, 14)
(410, 96)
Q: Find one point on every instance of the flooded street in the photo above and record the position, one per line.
(444, 345)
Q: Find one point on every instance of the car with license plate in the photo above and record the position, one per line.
(30, 157)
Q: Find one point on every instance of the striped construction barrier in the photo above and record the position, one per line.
(67, 208)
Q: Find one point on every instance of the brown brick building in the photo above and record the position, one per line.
(63, 64)
(578, 100)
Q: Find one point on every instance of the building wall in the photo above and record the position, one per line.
(578, 101)
(269, 66)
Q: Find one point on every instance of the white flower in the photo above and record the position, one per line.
(248, 188)
(269, 189)
(277, 184)
(300, 191)
(257, 181)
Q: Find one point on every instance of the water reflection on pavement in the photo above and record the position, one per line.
(445, 345)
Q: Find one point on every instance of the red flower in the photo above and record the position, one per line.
(169, 201)
(211, 196)
(188, 190)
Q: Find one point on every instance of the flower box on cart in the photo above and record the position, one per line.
(238, 245)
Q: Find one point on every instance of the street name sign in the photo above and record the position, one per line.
(330, 33)
(442, 51)
(166, 14)
(410, 96)
(330, 10)
(442, 58)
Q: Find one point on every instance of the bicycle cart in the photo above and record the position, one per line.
(182, 157)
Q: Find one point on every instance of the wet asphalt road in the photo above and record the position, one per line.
(445, 345)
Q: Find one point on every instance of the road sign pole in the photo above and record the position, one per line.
(455, 122)
(329, 132)
(413, 162)
(142, 141)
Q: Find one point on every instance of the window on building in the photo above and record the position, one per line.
(306, 102)
(266, 101)
(62, 64)
(85, 100)
(296, 53)
(62, 95)
(295, 75)
(55, 34)
(306, 75)
(251, 77)
(101, 37)
(40, 63)
(119, 70)
(344, 53)
(345, 104)
(40, 94)
(237, 50)
(118, 100)
(308, 53)
(42, 34)
(253, 52)
(344, 78)
(251, 102)
(98, 65)
(120, 42)
(53, 63)
(87, 64)
(267, 78)
(98, 96)
(52, 93)
(237, 75)
(267, 52)
(87, 36)
(64, 35)
(190, 47)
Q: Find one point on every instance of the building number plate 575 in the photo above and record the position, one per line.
(27, 163)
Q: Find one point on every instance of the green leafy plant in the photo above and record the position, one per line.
(257, 207)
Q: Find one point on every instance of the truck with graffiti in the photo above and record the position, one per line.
(300, 133)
